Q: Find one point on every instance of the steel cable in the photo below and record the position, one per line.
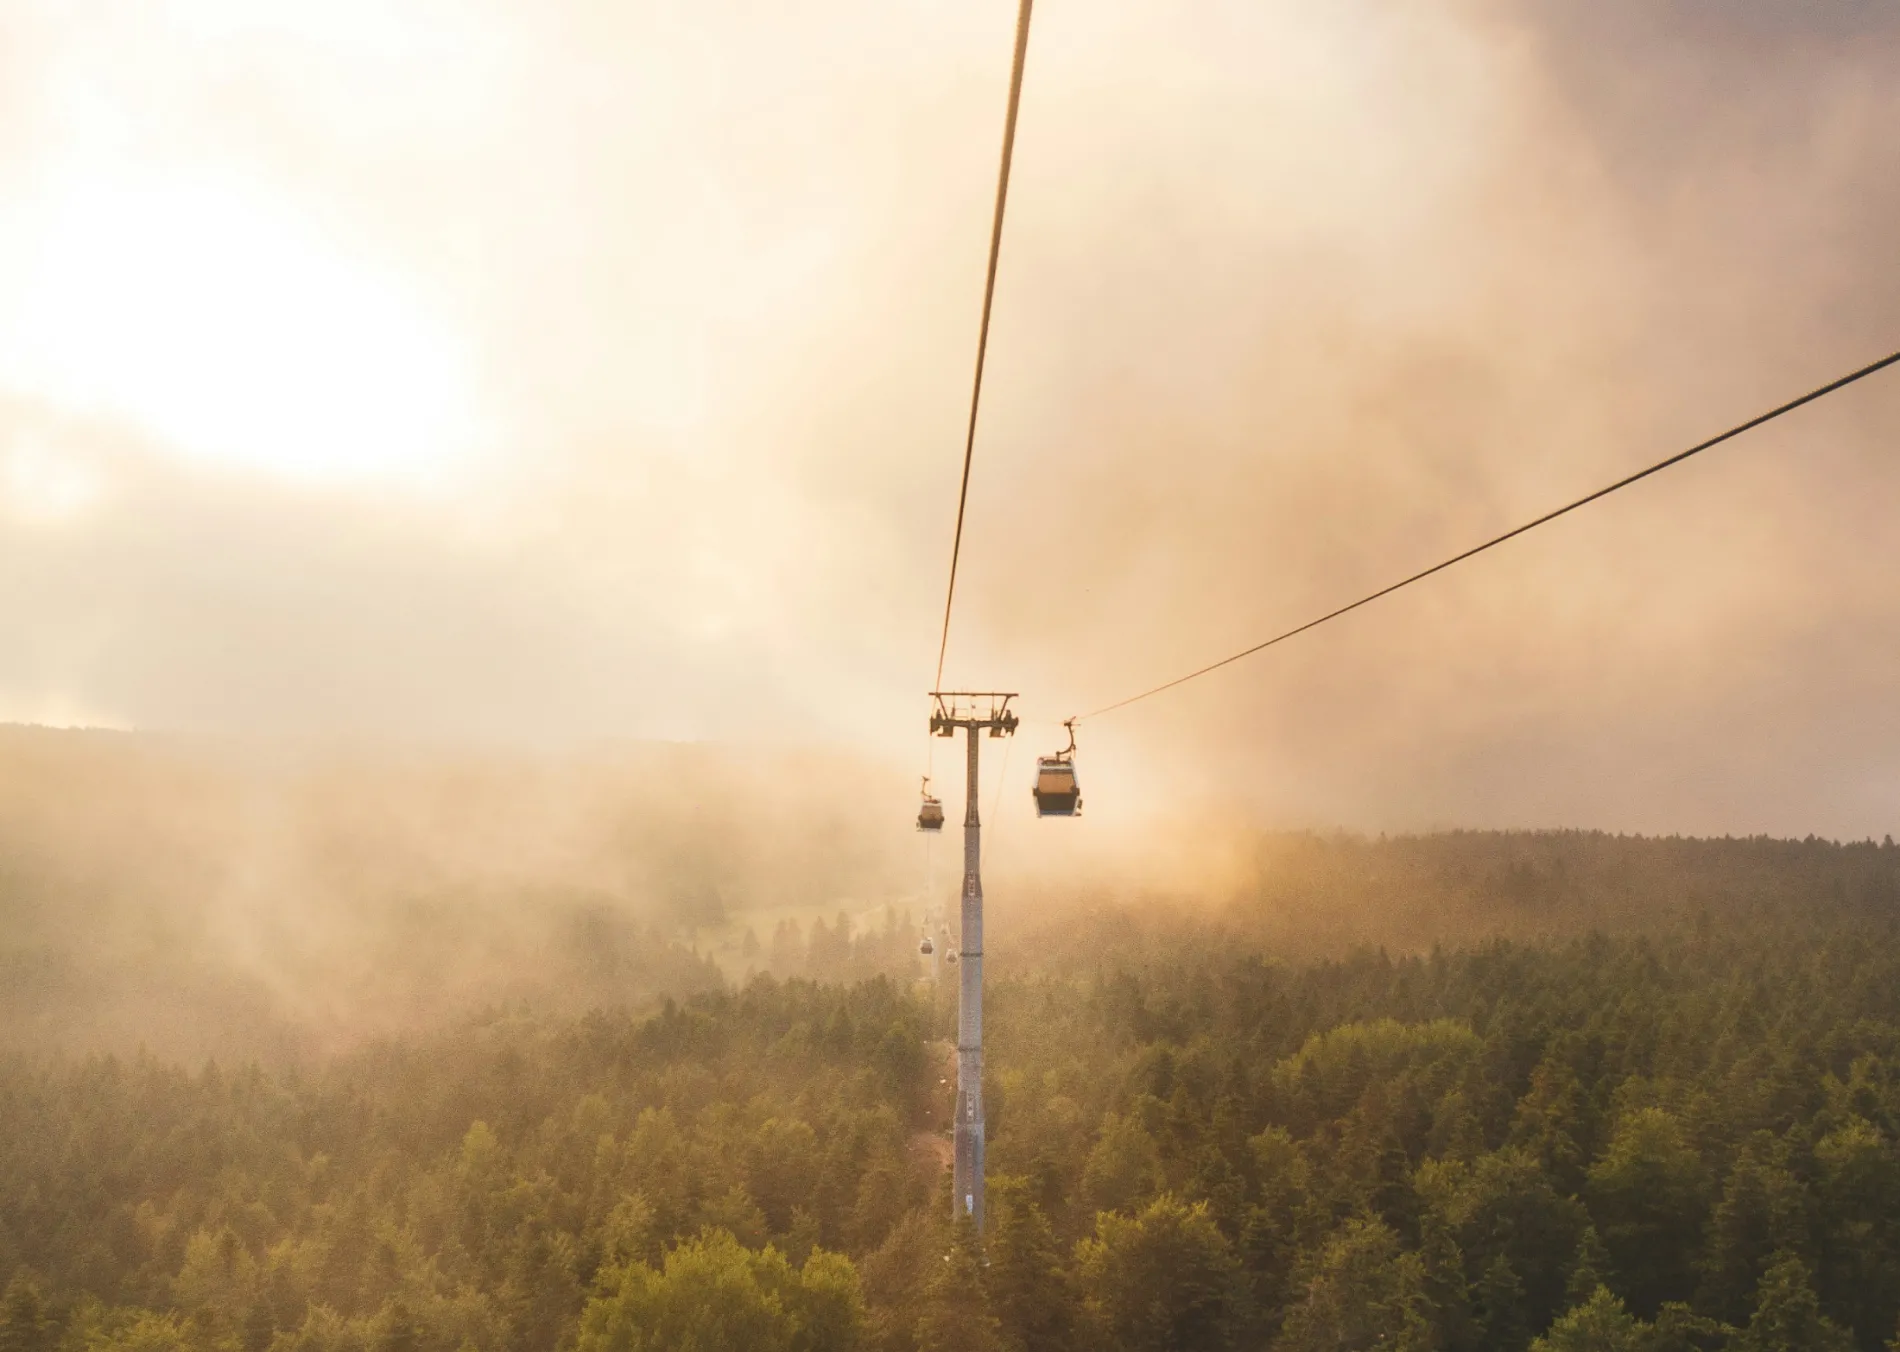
(1659, 466)
(983, 330)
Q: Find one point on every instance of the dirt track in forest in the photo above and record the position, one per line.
(932, 1152)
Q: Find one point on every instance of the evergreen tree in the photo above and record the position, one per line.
(1365, 1291)
(819, 951)
(1499, 1299)
(1678, 1328)
(24, 1324)
(898, 1279)
(1859, 1217)
(1647, 1194)
(1447, 1297)
(1164, 1280)
(1506, 1206)
(1762, 1213)
(1598, 1324)
(398, 1332)
(1028, 1282)
(957, 1315)
(1589, 1269)
(1787, 1315)
(713, 1293)
(1123, 1168)
(259, 1327)
(1549, 1118)
(1216, 1182)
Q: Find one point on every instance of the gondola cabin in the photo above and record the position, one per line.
(926, 947)
(1058, 793)
(930, 815)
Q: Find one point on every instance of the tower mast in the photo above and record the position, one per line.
(971, 713)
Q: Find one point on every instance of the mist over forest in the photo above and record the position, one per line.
(249, 897)
(314, 1051)
(476, 481)
(245, 898)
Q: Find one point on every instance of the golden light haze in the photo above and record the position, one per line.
(545, 374)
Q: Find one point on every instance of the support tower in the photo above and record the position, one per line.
(973, 713)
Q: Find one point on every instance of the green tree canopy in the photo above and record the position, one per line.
(1164, 1280)
(714, 1295)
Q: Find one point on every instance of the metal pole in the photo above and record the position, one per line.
(968, 1175)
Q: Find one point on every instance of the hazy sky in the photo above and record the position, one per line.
(569, 370)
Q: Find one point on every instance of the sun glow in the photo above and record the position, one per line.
(227, 327)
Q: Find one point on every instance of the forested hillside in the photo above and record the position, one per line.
(1664, 1114)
